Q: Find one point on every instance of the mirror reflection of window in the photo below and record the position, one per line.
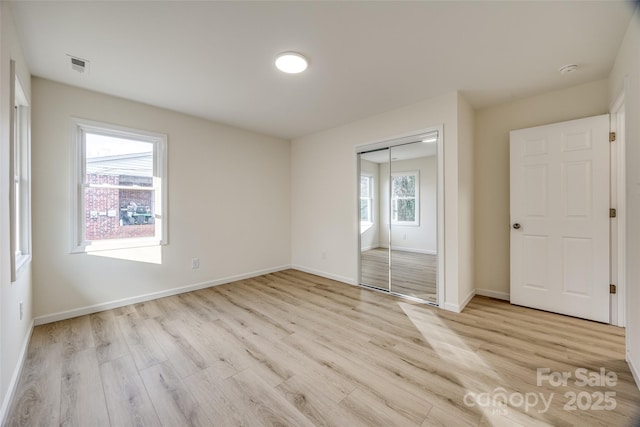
(405, 198)
(366, 196)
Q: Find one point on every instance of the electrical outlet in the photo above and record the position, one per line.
(195, 263)
(324, 255)
(21, 310)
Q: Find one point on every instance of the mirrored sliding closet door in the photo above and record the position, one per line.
(374, 236)
(398, 189)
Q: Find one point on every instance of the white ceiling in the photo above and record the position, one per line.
(215, 59)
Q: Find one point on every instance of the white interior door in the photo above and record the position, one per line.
(560, 218)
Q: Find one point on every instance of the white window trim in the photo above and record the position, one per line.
(21, 174)
(415, 223)
(78, 129)
(23, 253)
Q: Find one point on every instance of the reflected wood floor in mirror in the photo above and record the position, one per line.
(412, 273)
(293, 349)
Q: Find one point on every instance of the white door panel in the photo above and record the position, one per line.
(560, 199)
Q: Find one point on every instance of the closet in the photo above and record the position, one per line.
(398, 189)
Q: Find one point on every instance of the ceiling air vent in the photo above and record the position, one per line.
(78, 64)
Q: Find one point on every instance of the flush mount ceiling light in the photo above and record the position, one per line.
(291, 62)
(567, 69)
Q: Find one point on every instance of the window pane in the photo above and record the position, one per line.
(18, 213)
(364, 209)
(365, 185)
(17, 143)
(112, 213)
(406, 210)
(124, 161)
(404, 186)
(17, 176)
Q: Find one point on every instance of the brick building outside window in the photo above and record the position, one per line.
(114, 212)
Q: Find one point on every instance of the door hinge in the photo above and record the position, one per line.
(613, 213)
(613, 289)
(612, 136)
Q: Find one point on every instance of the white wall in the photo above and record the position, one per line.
(466, 201)
(422, 238)
(625, 78)
(13, 331)
(491, 175)
(324, 217)
(229, 203)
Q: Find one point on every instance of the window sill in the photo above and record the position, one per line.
(115, 245)
(22, 262)
(406, 224)
(365, 225)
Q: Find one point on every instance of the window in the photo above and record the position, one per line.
(20, 196)
(366, 198)
(119, 187)
(405, 201)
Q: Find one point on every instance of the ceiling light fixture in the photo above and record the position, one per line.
(567, 69)
(291, 62)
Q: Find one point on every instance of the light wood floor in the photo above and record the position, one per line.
(412, 273)
(293, 349)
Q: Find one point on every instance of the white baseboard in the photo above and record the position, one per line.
(342, 279)
(414, 250)
(493, 294)
(634, 371)
(8, 398)
(451, 307)
(457, 308)
(402, 248)
(41, 320)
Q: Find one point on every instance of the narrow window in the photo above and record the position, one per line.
(17, 180)
(20, 192)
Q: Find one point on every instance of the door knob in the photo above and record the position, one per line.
(517, 226)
